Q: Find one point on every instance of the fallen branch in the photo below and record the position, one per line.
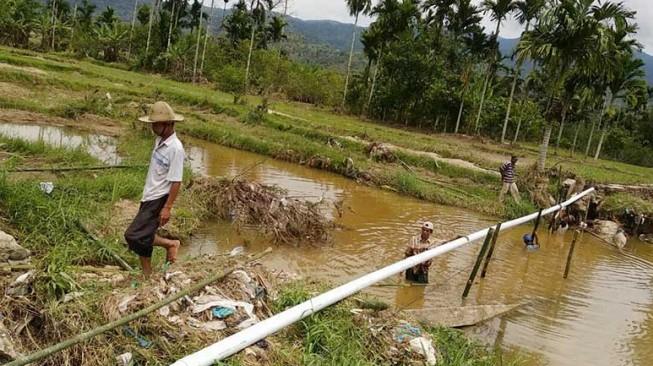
(75, 168)
(113, 254)
(129, 318)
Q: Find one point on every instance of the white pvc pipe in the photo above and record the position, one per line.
(236, 342)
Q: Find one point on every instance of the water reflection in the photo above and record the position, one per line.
(100, 147)
(601, 315)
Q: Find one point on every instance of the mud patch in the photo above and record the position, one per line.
(86, 122)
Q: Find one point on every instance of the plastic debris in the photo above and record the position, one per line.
(20, 286)
(210, 326)
(425, 348)
(142, 341)
(124, 303)
(46, 187)
(221, 312)
(205, 302)
(406, 331)
(71, 296)
(237, 251)
(125, 359)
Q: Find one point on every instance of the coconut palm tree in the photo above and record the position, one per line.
(527, 11)
(499, 11)
(356, 8)
(568, 36)
(258, 12)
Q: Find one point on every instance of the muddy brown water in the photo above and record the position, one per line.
(601, 315)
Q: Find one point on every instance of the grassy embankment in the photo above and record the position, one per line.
(56, 85)
(46, 224)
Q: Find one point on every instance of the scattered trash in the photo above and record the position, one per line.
(425, 348)
(406, 331)
(125, 359)
(46, 187)
(205, 302)
(210, 326)
(71, 296)
(263, 344)
(237, 251)
(7, 347)
(21, 285)
(222, 312)
(142, 341)
(124, 304)
(10, 250)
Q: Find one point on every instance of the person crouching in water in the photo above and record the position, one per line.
(162, 185)
(417, 245)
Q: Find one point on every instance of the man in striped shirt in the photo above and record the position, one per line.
(507, 171)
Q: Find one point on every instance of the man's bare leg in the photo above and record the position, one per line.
(171, 247)
(146, 265)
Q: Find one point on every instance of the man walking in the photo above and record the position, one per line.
(507, 171)
(417, 245)
(162, 186)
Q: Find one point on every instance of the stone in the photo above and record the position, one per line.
(10, 250)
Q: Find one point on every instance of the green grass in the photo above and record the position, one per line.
(616, 204)
(69, 86)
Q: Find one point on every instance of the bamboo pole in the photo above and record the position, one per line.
(571, 253)
(129, 318)
(479, 259)
(75, 168)
(113, 254)
(491, 250)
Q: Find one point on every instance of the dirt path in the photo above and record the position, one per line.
(87, 122)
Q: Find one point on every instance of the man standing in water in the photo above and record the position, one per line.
(507, 171)
(418, 244)
(162, 185)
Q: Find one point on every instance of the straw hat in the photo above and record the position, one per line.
(428, 226)
(161, 112)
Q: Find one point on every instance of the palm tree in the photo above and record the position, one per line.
(111, 37)
(199, 37)
(627, 83)
(499, 11)
(527, 10)
(258, 12)
(206, 37)
(568, 36)
(356, 8)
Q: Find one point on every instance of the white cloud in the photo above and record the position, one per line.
(337, 10)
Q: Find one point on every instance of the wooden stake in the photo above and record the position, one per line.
(491, 250)
(571, 253)
(537, 222)
(479, 259)
(129, 318)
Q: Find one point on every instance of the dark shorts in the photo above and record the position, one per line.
(421, 277)
(140, 234)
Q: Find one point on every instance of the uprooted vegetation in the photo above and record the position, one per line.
(286, 220)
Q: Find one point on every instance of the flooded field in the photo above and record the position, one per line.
(601, 315)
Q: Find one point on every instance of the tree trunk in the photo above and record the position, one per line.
(374, 78)
(249, 57)
(197, 45)
(589, 140)
(72, 29)
(351, 56)
(512, 93)
(480, 106)
(600, 145)
(460, 111)
(514, 141)
(206, 38)
(131, 30)
(544, 148)
(171, 20)
(149, 29)
(54, 21)
(573, 145)
(490, 67)
(562, 127)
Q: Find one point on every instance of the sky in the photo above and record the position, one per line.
(337, 10)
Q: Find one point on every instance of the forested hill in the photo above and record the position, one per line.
(326, 41)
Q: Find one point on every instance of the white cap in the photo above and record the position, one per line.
(428, 225)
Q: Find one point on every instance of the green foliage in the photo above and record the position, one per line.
(616, 204)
